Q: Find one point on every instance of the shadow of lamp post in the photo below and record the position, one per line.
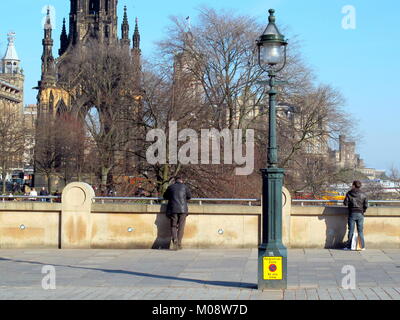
(272, 254)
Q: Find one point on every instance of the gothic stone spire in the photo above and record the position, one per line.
(63, 40)
(136, 36)
(125, 30)
(48, 64)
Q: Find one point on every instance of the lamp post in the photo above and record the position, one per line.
(272, 254)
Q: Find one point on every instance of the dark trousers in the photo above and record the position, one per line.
(178, 221)
(356, 218)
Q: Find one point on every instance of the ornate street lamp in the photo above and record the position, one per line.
(272, 254)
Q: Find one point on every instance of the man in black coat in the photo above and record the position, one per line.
(177, 210)
(43, 192)
(357, 202)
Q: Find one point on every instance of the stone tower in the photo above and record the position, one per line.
(11, 103)
(11, 77)
(136, 54)
(88, 20)
(50, 97)
(91, 19)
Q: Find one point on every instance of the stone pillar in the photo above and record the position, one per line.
(286, 211)
(76, 224)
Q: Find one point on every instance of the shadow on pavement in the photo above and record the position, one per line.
(142, 274)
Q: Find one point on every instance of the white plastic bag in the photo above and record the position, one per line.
(354, 241)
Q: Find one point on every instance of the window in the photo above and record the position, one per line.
(106, 5)
(94, 6)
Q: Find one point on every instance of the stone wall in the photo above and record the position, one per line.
(79, 223)
(29, 224)
(326, 227)
(146, 226)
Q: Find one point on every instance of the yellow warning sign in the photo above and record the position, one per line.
(272, 267)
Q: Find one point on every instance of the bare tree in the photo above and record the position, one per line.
(102, 84)
(71, 144)
(168, 98)
(12, 141)
(221, 58)
(305, 132)
(46, 152)
(312, 173)
(221, 47)
(207, 77)
(374, 190)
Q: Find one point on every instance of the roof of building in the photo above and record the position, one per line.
(11, 53)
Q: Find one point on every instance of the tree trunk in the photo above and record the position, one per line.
(165, 174)
(4, 175)
(104, 177)
(49, 182)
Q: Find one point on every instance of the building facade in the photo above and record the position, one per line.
(11, 109)
(346, 156)
(29, 118)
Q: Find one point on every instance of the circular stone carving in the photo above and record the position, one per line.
(75, 196)
(284, 198)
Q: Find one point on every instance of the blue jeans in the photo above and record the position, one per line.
(356, 218)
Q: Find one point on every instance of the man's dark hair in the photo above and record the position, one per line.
(357, 184)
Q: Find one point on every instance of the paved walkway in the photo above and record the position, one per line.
(194, 274)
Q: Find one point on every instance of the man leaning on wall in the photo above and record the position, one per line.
(357, 203)
(177, 210)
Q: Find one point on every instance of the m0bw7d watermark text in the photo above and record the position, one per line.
(188, 153)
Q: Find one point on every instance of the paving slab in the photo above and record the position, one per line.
(195, 274)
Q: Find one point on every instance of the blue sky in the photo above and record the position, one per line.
(363, 63)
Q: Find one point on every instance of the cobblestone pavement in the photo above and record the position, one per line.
(194, 274)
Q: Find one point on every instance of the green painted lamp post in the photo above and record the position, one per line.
(272, 254)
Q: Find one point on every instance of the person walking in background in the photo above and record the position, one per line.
(140, 191)
(57, 194)
(16, 188)
(177, 210)
(27, 190)
(10, 197)
(43, 192)
(33, 193)
(357, 203)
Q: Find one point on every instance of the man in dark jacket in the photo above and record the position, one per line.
(357, 202)
(177, 210)
(43, 192)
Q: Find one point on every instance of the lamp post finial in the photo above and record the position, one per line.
(271, 17)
